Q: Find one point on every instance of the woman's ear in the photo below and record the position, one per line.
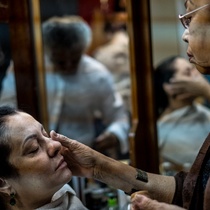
(5, 187)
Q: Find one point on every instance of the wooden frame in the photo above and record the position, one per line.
(26, 47)
(27, 55)
(143, 136)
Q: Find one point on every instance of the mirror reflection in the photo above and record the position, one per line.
(89, 86)
(84, 101)
(182, 113)
(108, 45)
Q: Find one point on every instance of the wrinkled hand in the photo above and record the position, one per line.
(140, 201)
(79, 157)
(194, 86)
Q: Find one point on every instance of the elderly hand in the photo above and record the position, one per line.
(79, 157)
(194, 86)
(141, 201)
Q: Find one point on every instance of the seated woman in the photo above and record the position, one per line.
(33, 172)
(182, 123)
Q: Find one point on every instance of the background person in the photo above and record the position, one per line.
(114, 54)
(183, 122)
(91, 111)
(185, 87)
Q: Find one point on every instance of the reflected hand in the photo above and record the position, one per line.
(140, 201)
(108, 144)
(194, 86)
(106, 141)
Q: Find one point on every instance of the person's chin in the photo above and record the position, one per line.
(66, 175)
(203, 69)
(64, 172)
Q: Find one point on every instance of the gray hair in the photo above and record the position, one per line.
(70, 32)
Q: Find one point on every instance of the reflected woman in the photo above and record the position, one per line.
(183, 123)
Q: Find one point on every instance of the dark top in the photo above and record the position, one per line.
(193, 188)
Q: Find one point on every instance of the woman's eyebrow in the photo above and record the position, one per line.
(32, 136)
(28, 138)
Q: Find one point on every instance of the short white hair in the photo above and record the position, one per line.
(71, 32)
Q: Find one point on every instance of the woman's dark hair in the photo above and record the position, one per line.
(7, 170)
(162, 74)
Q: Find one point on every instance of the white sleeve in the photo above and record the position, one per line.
(114, 113)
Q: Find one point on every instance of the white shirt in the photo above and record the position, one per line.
(64, 199)
(182, 132)
(83, 96)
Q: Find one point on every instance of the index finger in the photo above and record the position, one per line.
(65, 141)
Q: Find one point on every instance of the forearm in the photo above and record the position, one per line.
(123, 176)
(86, 162)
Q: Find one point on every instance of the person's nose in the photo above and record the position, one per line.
(185, 35)
(53, 147)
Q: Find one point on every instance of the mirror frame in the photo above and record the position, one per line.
(24, 21)
(143, 137)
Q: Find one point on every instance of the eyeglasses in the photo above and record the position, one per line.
(185, 19)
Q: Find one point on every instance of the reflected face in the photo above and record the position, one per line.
(64, 61)
(183, 68)
(198, 35)
(42, 169)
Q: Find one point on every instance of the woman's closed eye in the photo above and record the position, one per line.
(33, 150)
(32, 147)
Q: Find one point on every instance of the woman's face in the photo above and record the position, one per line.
(42, 169)
(183, 68)
(198, 35)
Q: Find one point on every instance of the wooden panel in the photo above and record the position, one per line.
(4, 11)
(24, 45)
(39, 59)
(143, 136)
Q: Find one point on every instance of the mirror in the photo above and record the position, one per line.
(181, 129)
(92, 95)
(166, 33)
(94, 105)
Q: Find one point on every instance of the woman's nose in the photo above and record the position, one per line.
(53, 147)
(185, 35)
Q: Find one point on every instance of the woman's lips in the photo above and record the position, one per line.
(61, 164)
(190, 56)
